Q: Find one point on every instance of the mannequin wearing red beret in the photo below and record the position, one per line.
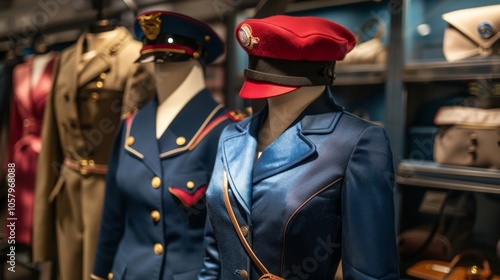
(301, 184)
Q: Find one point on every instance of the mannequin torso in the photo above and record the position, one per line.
(282, 111)
(176, 84)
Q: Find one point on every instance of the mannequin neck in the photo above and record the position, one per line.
(178, 78)
(283, 110)
(176, 84)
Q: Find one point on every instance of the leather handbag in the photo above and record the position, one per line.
(413, 242)
(449, 234)
(468, 136)
(372, 51)
(467, 265)
(265, 272)
(473, 32)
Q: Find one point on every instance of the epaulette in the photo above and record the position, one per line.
(129, 113)
(237, 115)
(127, 117)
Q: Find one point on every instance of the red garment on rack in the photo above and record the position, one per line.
(27, 109)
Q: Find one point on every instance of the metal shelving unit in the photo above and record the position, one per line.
(362, 74)
(472, 69)
(431, 174)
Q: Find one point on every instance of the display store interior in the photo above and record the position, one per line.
(427, 71)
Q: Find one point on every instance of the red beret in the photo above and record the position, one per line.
(287, 52)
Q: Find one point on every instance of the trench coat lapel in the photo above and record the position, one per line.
(143, 130)
(70, 82)
(98, 64)
(103, 60)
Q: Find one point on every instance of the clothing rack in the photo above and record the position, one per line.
(17, 38)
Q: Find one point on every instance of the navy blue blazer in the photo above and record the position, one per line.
(154, 210)
(321, 192)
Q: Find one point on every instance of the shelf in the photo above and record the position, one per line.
(361, 74)
(430, 174)
(472, 69)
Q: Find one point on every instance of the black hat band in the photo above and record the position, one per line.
(290, 73)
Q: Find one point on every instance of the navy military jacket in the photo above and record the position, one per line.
(154, 211)
(321, 192)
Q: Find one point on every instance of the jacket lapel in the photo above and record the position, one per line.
(144, 144)
(290, 148)
(294, 145)
(188, 124)
(22, 82)
(238, 152)
(98, 64)
(68, 77)
(102, 60)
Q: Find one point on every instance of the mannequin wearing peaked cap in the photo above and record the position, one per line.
(302, 183)
(162, 159)
(91, 80)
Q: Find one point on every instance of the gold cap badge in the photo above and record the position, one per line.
(150, 25)
(246, 38)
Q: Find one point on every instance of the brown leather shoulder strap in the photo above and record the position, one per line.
(262, 268)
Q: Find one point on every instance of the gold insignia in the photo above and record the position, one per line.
(246, 38)
(236, 115)
(150, 25)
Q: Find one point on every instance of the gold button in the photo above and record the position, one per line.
(155, 215)
(84, 162)
(156, 182)
(244, 230)
(99, 84)
(473, 270)
(190, 184)
(110, 276)
(130, 140)
(244, 274)
(158, 248)
(94, 96)
(91, 162)
(26, 122)
(102, 75)
(196, 54)
(180, 141)
(207, 38)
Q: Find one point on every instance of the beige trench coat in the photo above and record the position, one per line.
(81, 116)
